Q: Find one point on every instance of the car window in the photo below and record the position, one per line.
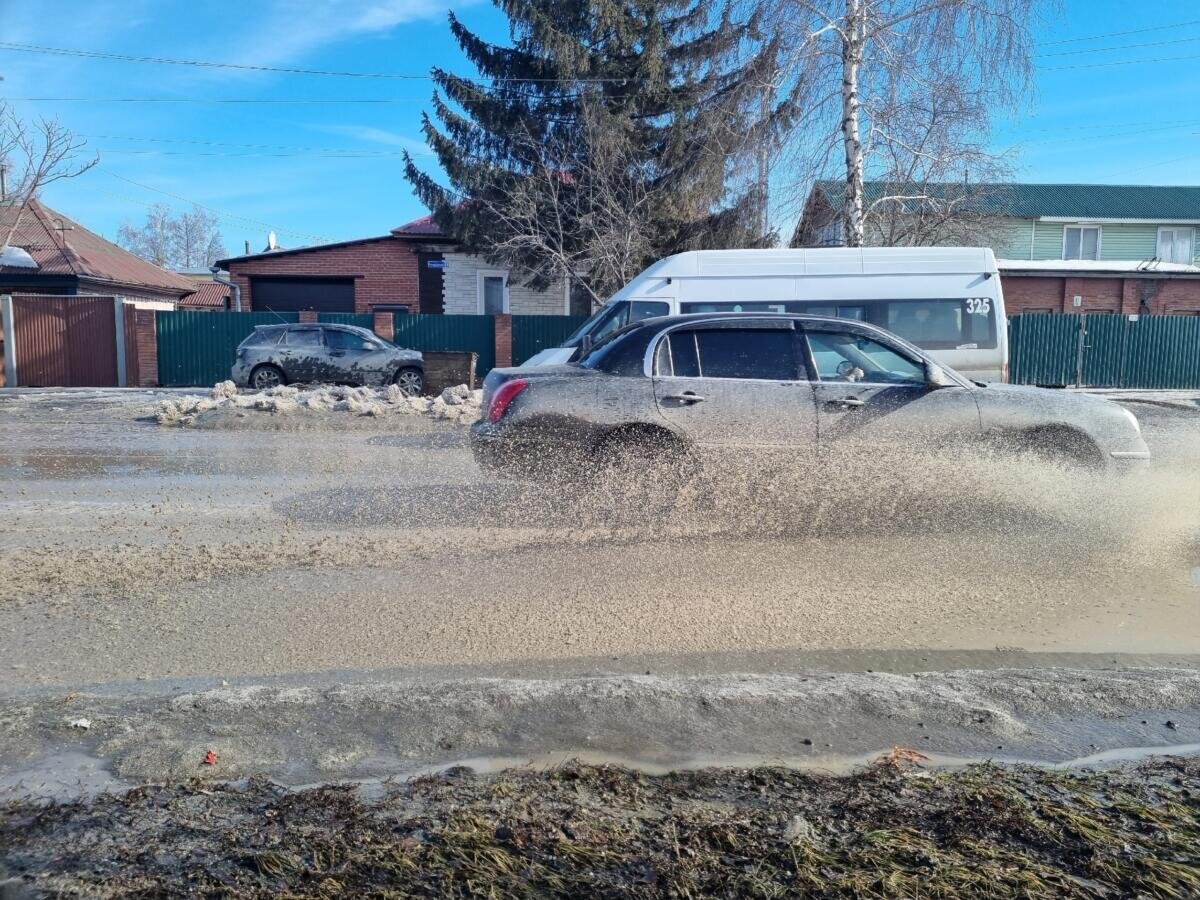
(263, 337)
(303, 337)
(337, 339)
(841, 356)
(730, 353)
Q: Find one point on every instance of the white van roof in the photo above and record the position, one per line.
(823, 261)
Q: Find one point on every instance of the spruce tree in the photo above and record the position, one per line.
(609, 134)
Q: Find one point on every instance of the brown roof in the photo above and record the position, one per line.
(61, 246)
(423, 226)
(208, 295)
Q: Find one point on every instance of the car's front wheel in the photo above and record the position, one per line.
(410, 381)
(265, 377)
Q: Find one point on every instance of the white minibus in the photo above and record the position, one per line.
(946, 300)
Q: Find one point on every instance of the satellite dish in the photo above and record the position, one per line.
(16, 258)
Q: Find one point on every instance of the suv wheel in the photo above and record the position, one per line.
(265, 377)
(410, 381)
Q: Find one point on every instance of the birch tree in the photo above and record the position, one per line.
(901, 92)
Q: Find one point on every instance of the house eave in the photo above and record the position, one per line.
(1102, 220)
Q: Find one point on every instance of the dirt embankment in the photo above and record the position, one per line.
(889, 831)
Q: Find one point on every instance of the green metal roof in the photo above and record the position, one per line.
(1074, 201)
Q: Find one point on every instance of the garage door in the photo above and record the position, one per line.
(296, 294)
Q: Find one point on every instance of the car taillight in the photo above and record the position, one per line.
(503, 397)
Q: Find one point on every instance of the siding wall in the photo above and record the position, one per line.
(1011, 240)
(462, 290)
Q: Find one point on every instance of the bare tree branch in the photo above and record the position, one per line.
(42, 153)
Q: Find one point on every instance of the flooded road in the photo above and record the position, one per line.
(134, 552)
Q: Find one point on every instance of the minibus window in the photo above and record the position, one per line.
(943, 324)
(737, 306)
(617, 315)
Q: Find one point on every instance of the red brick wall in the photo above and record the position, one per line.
(503, 330)
(1118, 295)
(384, 271)
(146, 338)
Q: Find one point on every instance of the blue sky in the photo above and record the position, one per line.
(332, 170)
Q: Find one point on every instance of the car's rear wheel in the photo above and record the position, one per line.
(647, 459)
(410, 381)
(265, 377)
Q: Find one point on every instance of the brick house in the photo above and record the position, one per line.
(62, 257)
(1093, 248)
(414, 268)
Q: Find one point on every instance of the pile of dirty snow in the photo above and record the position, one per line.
(457, 404)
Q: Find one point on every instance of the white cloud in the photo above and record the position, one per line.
(282, 34)
(372, 135)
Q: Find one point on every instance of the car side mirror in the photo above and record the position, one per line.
(585, 344)
(936, 377)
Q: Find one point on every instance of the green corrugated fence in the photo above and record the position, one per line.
(433, 332)
(533, 334)
(1149, 352)
(362, 320)
(196, 348)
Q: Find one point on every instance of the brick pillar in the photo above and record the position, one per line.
(384, 325)
(503, 327)
(146, 336)
(308, 315)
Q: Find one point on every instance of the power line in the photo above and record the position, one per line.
(211, 100)
(1187, 40)
(212, 209)
(1096, 37)
(162, 140)
(249, 67)
(1123, 62)
(385, 154)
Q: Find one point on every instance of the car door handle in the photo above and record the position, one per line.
(337, 352)
(845, 403)
(688, 397)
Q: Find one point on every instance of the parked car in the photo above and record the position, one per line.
(810, 385)
(341, 354)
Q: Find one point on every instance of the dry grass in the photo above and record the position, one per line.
(579, 830)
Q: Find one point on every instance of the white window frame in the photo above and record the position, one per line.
(1173, 228)
(1081, 225)
(490, 273)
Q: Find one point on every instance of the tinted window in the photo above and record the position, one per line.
(304, 337)
(943, 324)
(731, 353)
(348, 340)
(623, 354)
(853, 358)
(263, 337)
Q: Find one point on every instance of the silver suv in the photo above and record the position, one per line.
(340, 354)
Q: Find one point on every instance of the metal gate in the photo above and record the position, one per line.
(59, 341)
(1147, 352)
(533, 334)
(197, 348)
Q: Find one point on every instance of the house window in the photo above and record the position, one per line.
(1175, 245)
(1081, 242)
(830, 234)
(493, 293)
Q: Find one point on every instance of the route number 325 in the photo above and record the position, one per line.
(979, 306)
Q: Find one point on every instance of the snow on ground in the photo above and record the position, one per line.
(457, 404)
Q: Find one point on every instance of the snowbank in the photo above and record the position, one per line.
(457, 404)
